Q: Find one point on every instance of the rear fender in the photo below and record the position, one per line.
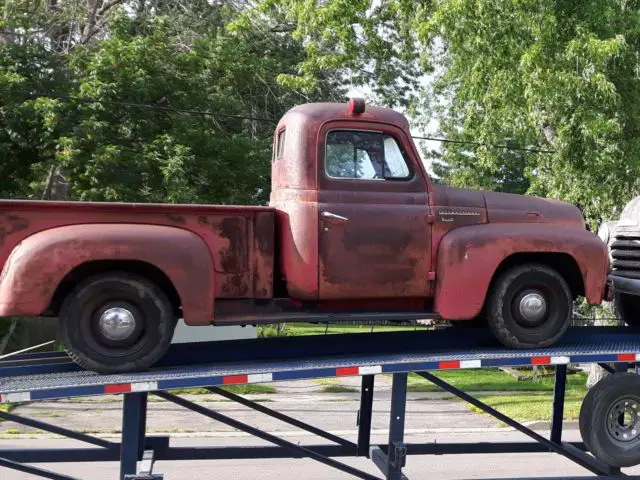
(468, 258)
(39, 263)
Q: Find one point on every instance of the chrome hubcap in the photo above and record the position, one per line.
(533, 307)
(117, 324)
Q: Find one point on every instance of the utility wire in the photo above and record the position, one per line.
(152, 107)
(480, 144)
(265, 119)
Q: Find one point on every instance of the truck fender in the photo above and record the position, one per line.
(468, 258)
(38, 265)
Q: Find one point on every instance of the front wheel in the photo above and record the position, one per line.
(529, 306)
(116, 323)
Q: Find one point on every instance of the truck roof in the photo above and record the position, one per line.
(323, 112)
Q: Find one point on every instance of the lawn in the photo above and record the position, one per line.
(534, 405)
(491, 380)
(533, 398)
(243, 389)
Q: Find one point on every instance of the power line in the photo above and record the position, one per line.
(264, 119)
(153, 107)
(480, 144)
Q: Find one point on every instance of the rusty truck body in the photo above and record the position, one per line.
(355, 229)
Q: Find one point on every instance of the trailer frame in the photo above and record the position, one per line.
(33, 377)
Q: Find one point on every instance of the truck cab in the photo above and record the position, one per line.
(355, 229)
(359, 219)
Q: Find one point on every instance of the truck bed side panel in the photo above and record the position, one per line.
(240, 239)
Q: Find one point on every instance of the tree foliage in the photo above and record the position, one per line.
(111, 95)
(559, 75)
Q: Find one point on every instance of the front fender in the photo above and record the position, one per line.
(40, 262)
(468, 258)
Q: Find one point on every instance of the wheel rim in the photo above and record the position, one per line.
(114, 328)
(531, 308)
(622, 420)
(117, 324)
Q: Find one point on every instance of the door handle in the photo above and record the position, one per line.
(333, 218)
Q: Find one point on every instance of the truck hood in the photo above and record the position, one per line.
(629, 223)
(510, 208)
(507, 207)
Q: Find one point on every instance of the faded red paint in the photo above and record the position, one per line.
(405, 245)
(469, 256)
(205, 251)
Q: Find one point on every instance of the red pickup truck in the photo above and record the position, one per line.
(355, 230)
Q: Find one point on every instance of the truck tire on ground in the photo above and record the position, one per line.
(117, 322)
(529, 306)
(611, 420)
(627, 308)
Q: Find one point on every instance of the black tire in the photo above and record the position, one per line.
(586, 415)
(505, 318)
(627, 308)
(616, 399)
(143, 301)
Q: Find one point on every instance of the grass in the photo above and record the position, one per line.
(244, 389)
(494, 380)
(534, 405)
(302, 329)
(338, 389)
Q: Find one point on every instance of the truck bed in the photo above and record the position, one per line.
(240, 238)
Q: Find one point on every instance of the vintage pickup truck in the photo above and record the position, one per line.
(355, 230)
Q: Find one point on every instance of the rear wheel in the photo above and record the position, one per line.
(628, 308)
(117, 322)
(610, 424)
(529, 306)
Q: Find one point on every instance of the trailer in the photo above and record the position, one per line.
(48, 376)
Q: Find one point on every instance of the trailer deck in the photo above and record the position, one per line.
(33, 377)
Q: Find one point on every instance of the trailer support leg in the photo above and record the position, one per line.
(392, 462)
(559, 389)
(364, 415)
(134, 422)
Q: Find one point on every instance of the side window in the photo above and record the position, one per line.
(280, 143)
(365, 156)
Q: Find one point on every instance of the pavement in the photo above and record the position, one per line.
(431, 417)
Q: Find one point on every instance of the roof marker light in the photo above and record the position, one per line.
(356, 106)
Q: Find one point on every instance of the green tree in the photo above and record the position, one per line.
(112, 96)
(560, 75)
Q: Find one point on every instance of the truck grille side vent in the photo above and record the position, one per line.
(625, 252)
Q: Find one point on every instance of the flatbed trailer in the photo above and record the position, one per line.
(48, 376)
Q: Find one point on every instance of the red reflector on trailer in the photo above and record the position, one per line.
(449, 364)
(540, 360)
(627, 357)
(235, 379)
(117, 388)
(344, 371)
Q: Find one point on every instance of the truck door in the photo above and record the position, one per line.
(374, 234)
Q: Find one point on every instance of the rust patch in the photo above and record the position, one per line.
(10, 223)
(233, 255)
(179, 219)
(265, 235)
(234, 286)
